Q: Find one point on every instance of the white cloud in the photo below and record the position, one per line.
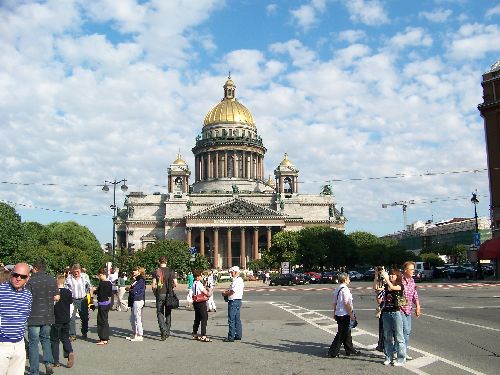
(473, 41)
(495, 11)
(271, 9)
(437, 15)
(411, 37)
(306, 15)
(351, 36)
(300, 54)
(368, 12)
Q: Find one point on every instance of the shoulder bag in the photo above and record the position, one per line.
(197, 298)
(172, 301)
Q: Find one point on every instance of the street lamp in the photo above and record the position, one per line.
(105, 188)
(475, 201)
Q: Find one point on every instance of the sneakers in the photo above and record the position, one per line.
(387, 362)
(164, 336)
(137, 339)
(71, 360)
(49, 370)
(72, 338)
(398, 364)
(408, 358)
(228, 340)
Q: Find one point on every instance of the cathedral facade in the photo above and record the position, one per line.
(230, 212)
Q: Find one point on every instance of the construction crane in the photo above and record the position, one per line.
(404, 204)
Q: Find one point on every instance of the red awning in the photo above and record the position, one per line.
(489, 249)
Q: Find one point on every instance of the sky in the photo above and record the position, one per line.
(376, 97)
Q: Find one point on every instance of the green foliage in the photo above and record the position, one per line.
(257, 265)
(10, 231)
(433, 259)
(177, 253)
(284, 247)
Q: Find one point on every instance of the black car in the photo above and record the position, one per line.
(330, 277)
(285, 279)
(457, 272)
(369, 274)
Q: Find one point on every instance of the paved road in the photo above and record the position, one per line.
(287, 330)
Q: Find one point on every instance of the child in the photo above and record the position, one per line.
(60, 329)
(104, 291)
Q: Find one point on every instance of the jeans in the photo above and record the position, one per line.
(233, 319)
(393, 335)
(60, 333)
(83, 309)
(406, 328)
(38, 334)
(163, 314)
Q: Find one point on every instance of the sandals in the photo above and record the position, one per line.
(196, 337)
(204, 339)
(102, 343)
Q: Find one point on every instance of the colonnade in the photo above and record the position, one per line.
(238, 164)
(226, 251)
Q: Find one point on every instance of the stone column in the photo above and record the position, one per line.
(216, 248)
(268, 238)
(217, 164)
(243, 257)
(209, 171)
(235, 165)
(256, 243)
(188, 235)
(202, 167)
(202, 241)
(229, 250)
(224, 174)
(244, 164)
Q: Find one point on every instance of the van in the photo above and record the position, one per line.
(424, 269)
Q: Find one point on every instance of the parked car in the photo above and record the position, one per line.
(355, 276)
(369, 274)
(285, 279)
(314, 277)
(419, 276)
(457, 272)
(330, 277)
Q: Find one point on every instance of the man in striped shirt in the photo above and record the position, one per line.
(79, 288)
(15, 308)
(410, 291)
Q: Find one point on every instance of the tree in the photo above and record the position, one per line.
(284, 246)
(433, 259)
(10, 231)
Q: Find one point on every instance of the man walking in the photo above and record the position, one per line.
(234, 295)
(79, 287)
(15, 307)
(410, 291)
(164, 282)
(44, 290)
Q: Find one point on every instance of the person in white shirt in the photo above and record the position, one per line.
(344, 314)
(113, 279)
(210, 286)
(234, 295)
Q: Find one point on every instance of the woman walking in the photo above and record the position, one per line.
(103, 293)
(392, 319)
(136, 299)
(344, 313)
(200, 297)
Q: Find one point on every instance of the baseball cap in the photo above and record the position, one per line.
(234, 269)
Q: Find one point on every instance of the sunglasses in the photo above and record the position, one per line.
(16, 275)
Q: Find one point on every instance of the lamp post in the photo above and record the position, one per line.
(105, 188)
(475, 201)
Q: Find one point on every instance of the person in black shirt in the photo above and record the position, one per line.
(104, 291)
(59, 331)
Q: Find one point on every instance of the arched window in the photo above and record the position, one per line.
(287, 185)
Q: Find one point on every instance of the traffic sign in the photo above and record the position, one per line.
(192, 250)
(477, 239)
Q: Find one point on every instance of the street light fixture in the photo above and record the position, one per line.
(475, 201)
(123, 188)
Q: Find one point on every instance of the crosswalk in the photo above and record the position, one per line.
(422, 363)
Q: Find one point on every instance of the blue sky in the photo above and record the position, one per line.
(359, 89)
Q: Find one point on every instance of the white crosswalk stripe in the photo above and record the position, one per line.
(414, 365)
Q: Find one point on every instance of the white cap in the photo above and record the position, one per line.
(234, 269)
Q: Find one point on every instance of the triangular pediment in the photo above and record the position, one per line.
(236, 208)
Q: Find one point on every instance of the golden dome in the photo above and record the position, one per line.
(179, 160)
(229, 110)
(285, 161)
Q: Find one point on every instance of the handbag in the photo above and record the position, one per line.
(197, 298)
(172, 301)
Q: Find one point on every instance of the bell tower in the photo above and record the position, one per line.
(287, 177)
(178, 177)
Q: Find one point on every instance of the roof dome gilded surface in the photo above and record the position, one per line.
(286, 161)
(179, 160)
(229, 110)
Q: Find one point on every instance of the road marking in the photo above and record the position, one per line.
(475, 307)
(292, 308)
(464, 323)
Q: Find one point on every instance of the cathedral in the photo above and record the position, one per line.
(231, 211)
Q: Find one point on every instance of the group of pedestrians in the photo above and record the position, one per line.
(49, 307)
(396, 296)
